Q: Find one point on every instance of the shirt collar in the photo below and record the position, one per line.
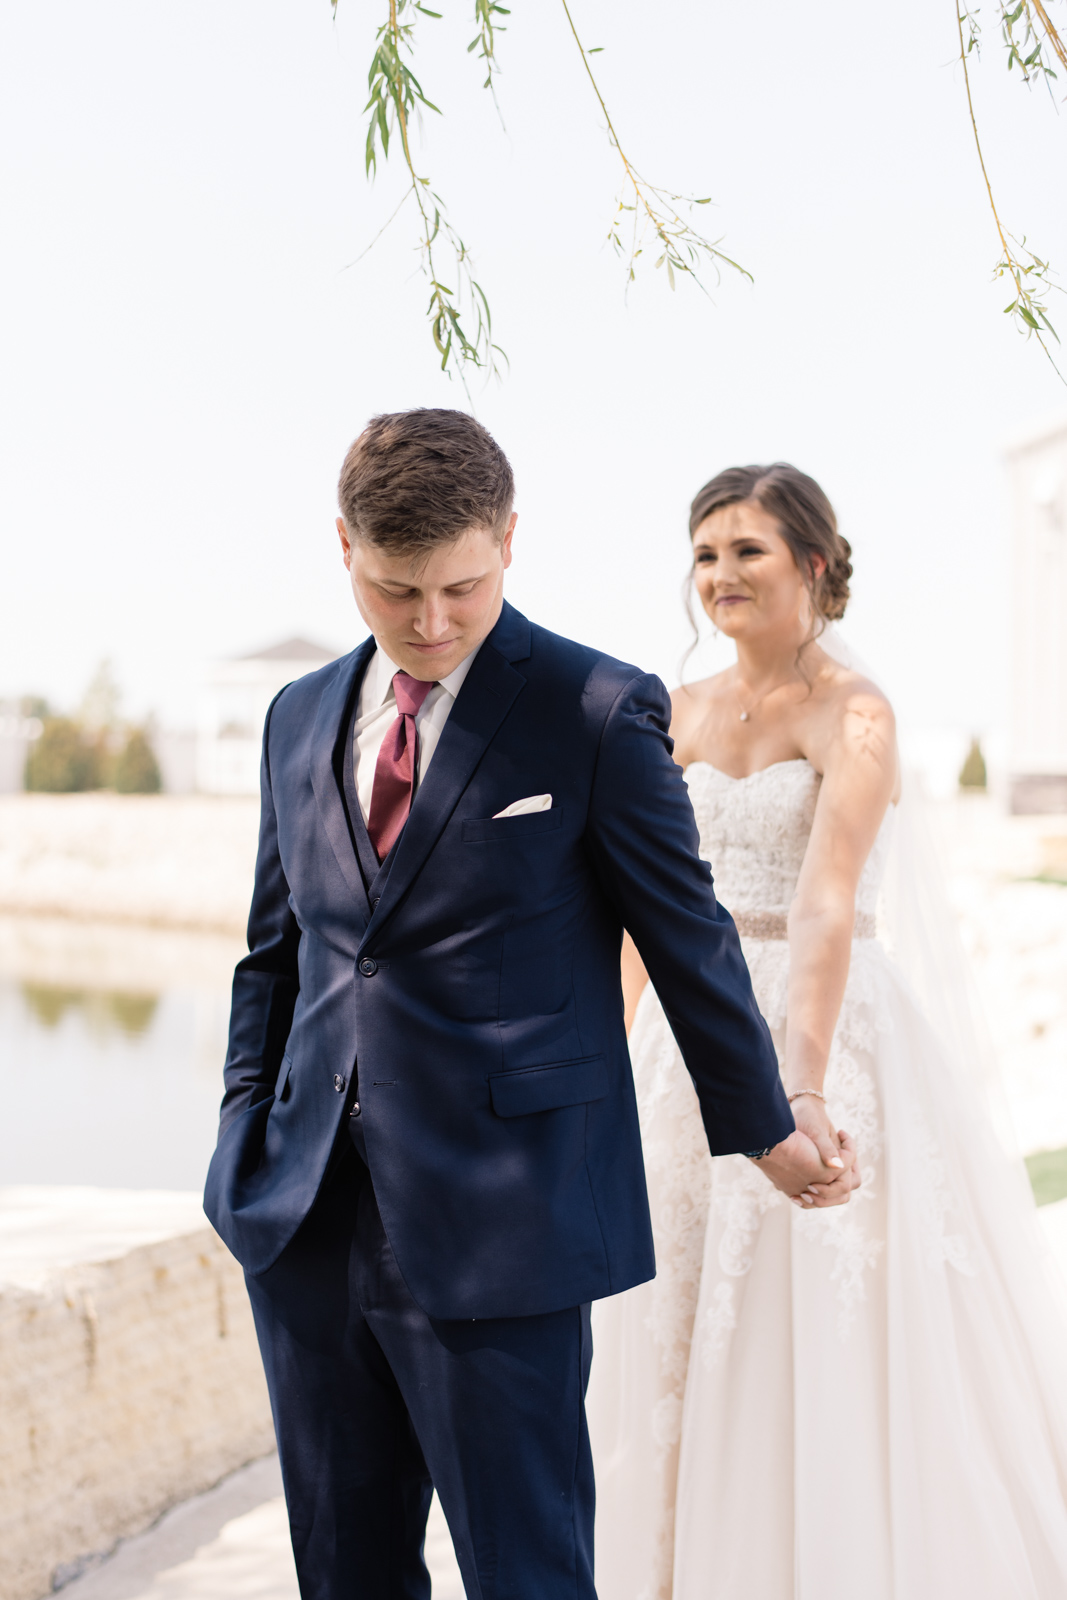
(454, 682)
(378, 684)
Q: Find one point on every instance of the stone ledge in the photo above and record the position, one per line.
(129, 1372)
(163, 860)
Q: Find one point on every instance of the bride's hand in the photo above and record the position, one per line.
(836, 1192)
(796, 1167)
(812, 1118)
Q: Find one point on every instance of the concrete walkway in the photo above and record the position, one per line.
(231, 1544)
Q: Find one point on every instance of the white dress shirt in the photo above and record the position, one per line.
(376, 714)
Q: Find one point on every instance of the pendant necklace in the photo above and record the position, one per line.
(746, 716)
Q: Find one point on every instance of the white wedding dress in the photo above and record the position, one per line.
(857, 1403)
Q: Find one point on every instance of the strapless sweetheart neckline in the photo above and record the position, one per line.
(754, 831)
(794, 761)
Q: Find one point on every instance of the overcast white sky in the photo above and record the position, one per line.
(186, 358)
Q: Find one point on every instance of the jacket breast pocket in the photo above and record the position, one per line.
(562, 1083)
(502, 830)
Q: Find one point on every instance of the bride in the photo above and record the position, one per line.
(860, 1403)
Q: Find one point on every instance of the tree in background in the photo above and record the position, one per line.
(973, 773)
(135, 769)
(99, 710)
(92, 750)
(63, 760)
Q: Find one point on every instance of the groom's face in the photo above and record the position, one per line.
(429, 613)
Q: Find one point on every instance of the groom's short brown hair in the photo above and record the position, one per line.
(416, 479)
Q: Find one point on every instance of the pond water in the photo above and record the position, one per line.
(112, 1038)
(111, 1047)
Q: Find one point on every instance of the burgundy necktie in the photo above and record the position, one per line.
(398, 760)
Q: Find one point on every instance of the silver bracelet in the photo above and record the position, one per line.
(813, 1092)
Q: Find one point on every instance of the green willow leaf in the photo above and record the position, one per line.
(460, 319)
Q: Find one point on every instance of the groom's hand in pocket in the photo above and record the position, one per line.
(797, 1168)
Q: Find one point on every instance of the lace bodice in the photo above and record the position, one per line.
(754, 831)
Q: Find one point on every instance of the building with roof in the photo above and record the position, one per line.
(234, 705)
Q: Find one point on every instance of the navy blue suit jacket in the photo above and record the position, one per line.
(480, 999)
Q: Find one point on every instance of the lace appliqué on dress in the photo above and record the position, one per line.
(679, 1168)
(935, 1205)
(717, 1323)
(678, 1165)
(742, 1196)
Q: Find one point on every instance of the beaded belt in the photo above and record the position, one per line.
(772, 925)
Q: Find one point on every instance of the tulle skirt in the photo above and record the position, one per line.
(863, 1403)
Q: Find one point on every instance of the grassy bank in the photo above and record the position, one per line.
(1048, 1175)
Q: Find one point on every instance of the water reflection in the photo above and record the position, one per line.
(131, 1014)
(111, 1047)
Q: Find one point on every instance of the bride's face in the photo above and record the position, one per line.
(745, 574)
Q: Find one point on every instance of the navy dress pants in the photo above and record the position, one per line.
(376, 1404)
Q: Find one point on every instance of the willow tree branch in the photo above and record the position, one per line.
(607, 114)
(1026, 307)
(1053, 37)
(673, 231)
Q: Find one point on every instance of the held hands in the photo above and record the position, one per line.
(816, 1165)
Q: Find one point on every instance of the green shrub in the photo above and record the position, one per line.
(973, 773)
(62, 760)
(1048, 1175)
(136, 770)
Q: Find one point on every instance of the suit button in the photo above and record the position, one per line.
(355, 1109)
(338, 1082)
(374, 900)
(368, 967)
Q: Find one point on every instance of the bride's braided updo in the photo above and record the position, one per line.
(805, 520)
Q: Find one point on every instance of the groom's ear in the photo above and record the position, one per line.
(505, 543)
(346, 543)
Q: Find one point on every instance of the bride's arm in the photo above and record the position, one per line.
(634, 978)
(856, 753)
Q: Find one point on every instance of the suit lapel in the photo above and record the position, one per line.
(485, 699)
(330, 725)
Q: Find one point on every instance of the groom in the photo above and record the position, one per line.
(429, 1160)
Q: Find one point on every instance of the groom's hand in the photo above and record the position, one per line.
(796, 1167)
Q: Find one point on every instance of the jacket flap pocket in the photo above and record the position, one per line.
(565, 1083)
(487, 830)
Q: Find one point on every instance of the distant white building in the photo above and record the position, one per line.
(17, 734)
(1037, 464)
(175, 751)
(234, 706)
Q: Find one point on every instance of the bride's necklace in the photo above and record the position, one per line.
(746, 712)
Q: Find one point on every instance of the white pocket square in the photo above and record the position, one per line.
(519, 808)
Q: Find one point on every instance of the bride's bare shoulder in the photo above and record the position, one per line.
(691, 704)
(691, 701)
(853, 695)
(854, 720)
